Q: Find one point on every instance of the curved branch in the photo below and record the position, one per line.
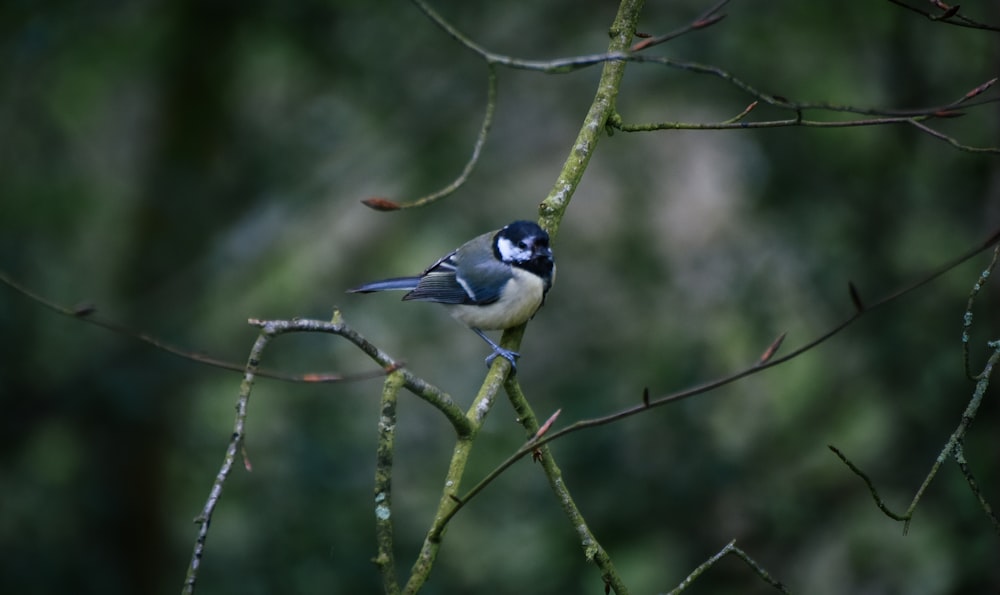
(418, 386)
(383, 204)
(86, 313)
(951, 449)
(707, 19)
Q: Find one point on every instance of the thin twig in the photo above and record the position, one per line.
(418, 386)
(871, 486)
(623, 54)
(742, 555)
(86, 313)
(382, 204)
(952, 448)
(952, 141)
(737, 124)
(949, 15)
(204, 520)
(963, 465)
(967, 317)
(592, 549)
(707, 19)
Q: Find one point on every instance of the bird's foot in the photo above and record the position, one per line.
(498, 351)
(507, 354)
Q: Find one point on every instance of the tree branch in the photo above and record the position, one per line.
(735, 551)
(87, 313)
(383, 204)
(385, 558)
(755, 368)
(592, 549)
(948, 15)
(953, 446)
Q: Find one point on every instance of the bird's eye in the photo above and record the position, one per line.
(522, 245)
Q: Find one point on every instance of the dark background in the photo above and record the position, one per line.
(187, 165)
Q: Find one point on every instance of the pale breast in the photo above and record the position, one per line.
(518, 301)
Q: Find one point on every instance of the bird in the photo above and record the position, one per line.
(495, 281)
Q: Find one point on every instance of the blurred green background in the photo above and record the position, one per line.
(187, 165)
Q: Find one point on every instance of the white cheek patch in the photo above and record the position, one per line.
(509, 252)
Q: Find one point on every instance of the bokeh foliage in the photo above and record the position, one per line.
(188, 165)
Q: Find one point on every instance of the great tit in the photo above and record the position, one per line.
(492, 282)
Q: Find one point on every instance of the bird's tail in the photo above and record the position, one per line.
(401, 283)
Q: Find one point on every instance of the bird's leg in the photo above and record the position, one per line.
(507, 354)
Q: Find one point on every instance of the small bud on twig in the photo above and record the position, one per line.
(545, 426)
(981, 88)
(952, 11)
(84, 309)
(771, 349)
(246, 457)
(381, 204)
(855, 297)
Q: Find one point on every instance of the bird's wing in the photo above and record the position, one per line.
(484, 281)
(452, 281)
(439, 284)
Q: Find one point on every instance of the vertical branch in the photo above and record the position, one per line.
(476, 414)
(592, 549)
(204, 520)
(551, 209)
(385, 560)
(967, 317)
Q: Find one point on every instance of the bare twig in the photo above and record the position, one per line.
(592, 549)
(551, 66)
(963, 466)
(707, 19)
(871, 486)
(418, 386)
(952, 141)
(626, 54)
(742, 555)
(204, 520)
(383, 204)
(86, 313)
(948, 15)
(953, 446)
(967, 317)
(736, 124)
(465, 427)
